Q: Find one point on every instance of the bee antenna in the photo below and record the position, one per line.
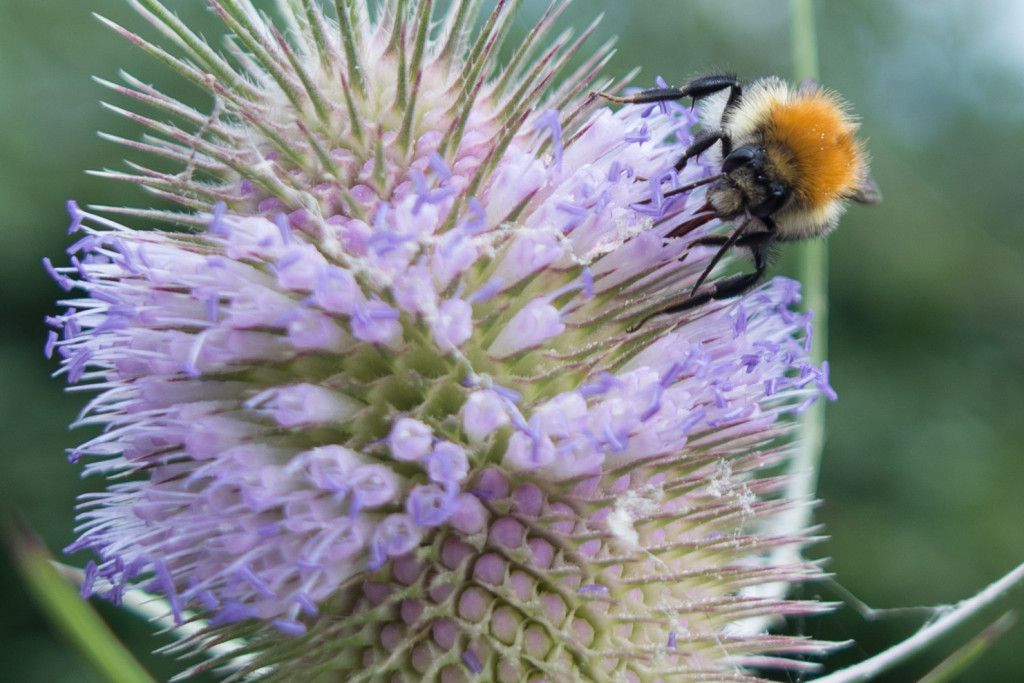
(728, 244)
(687, 187)
(691, 186)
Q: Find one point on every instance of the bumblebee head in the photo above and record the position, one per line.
(750, 184)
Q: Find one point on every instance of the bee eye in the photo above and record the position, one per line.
(742, 156)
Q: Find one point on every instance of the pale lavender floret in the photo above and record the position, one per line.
(257, 306)
(639, 135)
(389, 250)
(372, 486)
(315, 331)
(430, 505)
(548, 122)
(418, 216)
(76, 216)
(571, 215)
(376, 322)
(327, 467)
(455, 253)
(562, 416)
(336, 290)
(428, 195)
(453, 324)
(483, 413)
(535, 323)
(823, 382)
(253, 237)
(530, 252)
(353, 234)
(65, 283)
(263, 490)
(414, 291)
(51, 343)
(530, 451)
(209, 436)
(308, 404)
(410, 439)
(299, 268)
(476, 220)
(447, 463)
(396, 535)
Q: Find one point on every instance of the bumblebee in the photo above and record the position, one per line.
(788, 160)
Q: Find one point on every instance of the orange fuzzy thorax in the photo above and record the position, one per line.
(814, 147)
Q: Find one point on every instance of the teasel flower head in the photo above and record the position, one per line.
(379, 410)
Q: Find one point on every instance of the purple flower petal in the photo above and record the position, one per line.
(410, 439)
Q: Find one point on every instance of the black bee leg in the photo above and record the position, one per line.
(724, 288)
(703, 86)
(734, 285)
(647, 96)
(695, 89)
(699, 145)
(724, 244)
(700, 88)
(750, 241)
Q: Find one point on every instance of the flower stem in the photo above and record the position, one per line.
(805, 40)
(949, 619)
(813, 258)
(70, 614)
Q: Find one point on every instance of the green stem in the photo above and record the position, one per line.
(805, 40)
(813, 256)
(72, 616)
(810, 434)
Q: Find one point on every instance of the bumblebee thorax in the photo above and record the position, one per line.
(811, 146)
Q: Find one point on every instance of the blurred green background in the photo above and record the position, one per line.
(923, 472)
